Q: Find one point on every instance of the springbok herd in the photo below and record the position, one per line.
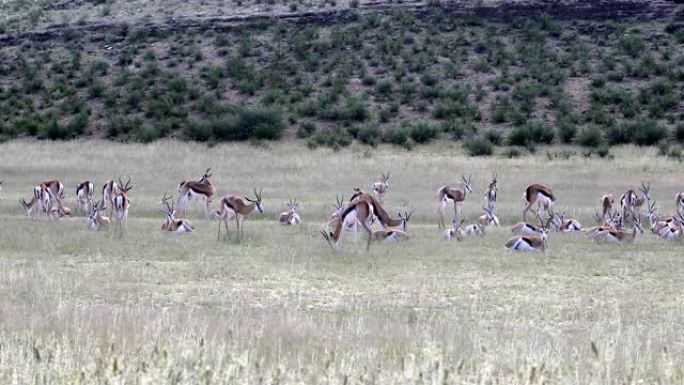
(364, 210)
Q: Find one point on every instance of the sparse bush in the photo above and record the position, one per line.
(423, 132)
(590, 137)
(305, 130)
(646, 132)
(370, 134)
(335, 138)
(397, 135)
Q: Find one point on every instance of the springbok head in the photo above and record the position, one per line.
(257, 200)
(467, 183)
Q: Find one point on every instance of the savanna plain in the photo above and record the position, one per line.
(280, 306)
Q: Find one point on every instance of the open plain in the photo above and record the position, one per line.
(280, 306)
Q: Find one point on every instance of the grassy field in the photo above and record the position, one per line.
(282, 307)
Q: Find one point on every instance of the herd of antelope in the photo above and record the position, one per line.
(364, 210)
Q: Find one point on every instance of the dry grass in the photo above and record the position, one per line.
(281, 307)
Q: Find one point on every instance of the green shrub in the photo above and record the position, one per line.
(494, 136)
(397, 135)
(531, 133)
(305, 130)
(679, 132)
(590, 137)
(458, 129)
(197, 131)
(566, 130)
(422, 132)
(632, 44)
(369, 134)
(120, 125)
(335, 138)
(646, 132)
(478, 145)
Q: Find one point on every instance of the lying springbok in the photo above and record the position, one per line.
(619, 236)
(56, 208)
(530, 242)
(476, 229)
(290, 217)
(172, 224)
(234, 206)
(542, 196)
(612, 223)
(202, 189)
(456, 232)
(390, 234)
(380, 188)
(488, 218)
(97, 221)
(679, 203)
(454, 195)
(84, 196)
(565, 225)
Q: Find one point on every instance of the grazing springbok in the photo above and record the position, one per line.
(290, 217)
(607, 203)
(97, 221)
(490, 194)
(454, 195)
(172, 224)
(679, 203)
(619, 236)
(121, 205)
(40, 200)
(109, 191)
(234, 206)
(380, 187)
(456, 232)
(530, 242)
(488, 218)
(202, 189)
(84, 196)
(630, 201)
(542, 196)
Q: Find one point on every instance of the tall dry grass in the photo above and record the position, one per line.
(280, 307)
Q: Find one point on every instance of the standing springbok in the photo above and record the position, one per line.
(84, 196)
(202, 189)
(235, 206)
(530, 242)
(380, 187)
(607, 203)
(109, 191)
(97, 221)
(121, 205)
(490, 194)
(171, 223)
(290, 217)
(679, 202)
(40, 200)
(456, 232)
(457, 196)
(630, 201)
(542, 196)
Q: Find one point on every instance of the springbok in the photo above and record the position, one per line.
(380, 187)
(234, 206)
(97, 221)
(540, 194)
(390, 234)
(84, 196)
(290, 217)
(619, 236)
(109, 191)
(679, 203)
(607, 203)
(525, 228)
(488, 218)
(476, 229)
(630, 201)
(531, 242)
(172, 224)
(202, 189)
(121, 204)
(40, 200)
(456, 232)
(566, 225)
(674, 230)
(457, 196)
(612, 223)
(56, 208)
(490, 194)
(1, 198)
